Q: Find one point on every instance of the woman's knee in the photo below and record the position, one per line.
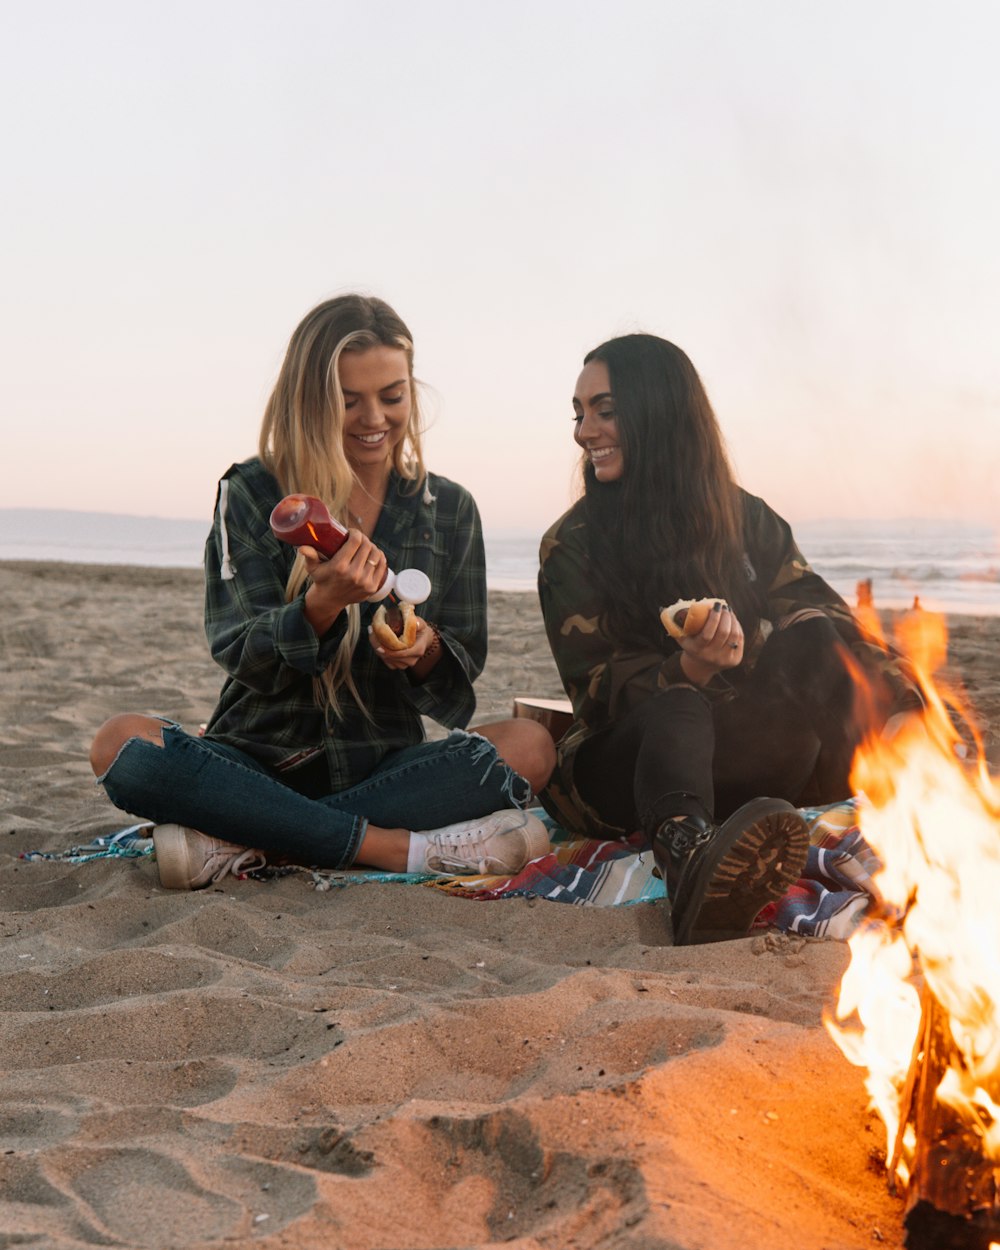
(525, 746)
(114, 733)
(806, 633)
(682, 703)
(806, 654)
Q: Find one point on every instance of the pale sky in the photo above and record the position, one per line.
(802, 196)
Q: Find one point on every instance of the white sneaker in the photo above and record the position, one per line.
(189, 860)
(500, 843)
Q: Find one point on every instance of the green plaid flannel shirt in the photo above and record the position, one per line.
(271, 654)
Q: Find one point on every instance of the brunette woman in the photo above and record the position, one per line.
(743, 721)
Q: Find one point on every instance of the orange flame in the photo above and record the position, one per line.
(934, 821)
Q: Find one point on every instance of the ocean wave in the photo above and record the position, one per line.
(917, 570)
(950, 569)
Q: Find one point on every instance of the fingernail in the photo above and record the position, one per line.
(717, 607)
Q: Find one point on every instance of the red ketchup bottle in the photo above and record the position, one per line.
(305, 521)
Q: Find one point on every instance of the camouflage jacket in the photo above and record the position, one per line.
(604, 681)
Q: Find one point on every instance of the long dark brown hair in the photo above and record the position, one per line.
(672, 526)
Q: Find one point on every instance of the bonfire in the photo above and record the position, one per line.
(918, 1006)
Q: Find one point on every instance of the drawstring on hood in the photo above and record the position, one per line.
(227, 570)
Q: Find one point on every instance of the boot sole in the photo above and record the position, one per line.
(757, 854)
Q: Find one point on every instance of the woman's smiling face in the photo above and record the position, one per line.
(376, 386)
(596, 423)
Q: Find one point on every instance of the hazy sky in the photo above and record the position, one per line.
(803, 196)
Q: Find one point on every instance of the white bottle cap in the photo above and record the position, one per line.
(409, 586)
(412, 586)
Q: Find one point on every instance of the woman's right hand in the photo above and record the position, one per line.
(351, 575)
(718, 646)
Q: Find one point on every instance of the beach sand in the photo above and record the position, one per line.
(382, 1066)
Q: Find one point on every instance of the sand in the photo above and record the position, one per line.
(382, 1066)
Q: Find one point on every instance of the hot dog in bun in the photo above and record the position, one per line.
(687, 616)
(387, 636)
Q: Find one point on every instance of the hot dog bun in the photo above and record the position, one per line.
(387, 636)
(687, 616)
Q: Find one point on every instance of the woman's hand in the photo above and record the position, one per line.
(718, 646)
(412, 656)
(351, 575)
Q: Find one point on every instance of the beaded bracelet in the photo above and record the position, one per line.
(435, 646)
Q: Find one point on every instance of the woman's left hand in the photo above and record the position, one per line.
(412, 655)
(718, 646)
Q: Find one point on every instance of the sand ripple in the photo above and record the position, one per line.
(381, 1067)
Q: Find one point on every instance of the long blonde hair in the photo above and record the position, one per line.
(301, 436)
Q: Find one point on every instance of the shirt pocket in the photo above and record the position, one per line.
(426, 549)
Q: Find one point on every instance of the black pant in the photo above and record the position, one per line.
(790, 732)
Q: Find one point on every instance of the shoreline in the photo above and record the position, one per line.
(503, 583)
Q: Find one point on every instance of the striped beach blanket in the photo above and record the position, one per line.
(828, 901)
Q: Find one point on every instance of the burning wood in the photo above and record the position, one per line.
(920, 1001)
(951, 1200)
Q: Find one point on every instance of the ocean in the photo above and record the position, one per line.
(951, 567)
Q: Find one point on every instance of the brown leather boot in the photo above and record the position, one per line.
(720, 877)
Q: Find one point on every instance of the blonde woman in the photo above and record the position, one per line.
(315, 753)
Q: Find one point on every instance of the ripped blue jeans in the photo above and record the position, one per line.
(222, 791)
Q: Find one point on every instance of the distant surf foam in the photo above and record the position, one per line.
(950, 567)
